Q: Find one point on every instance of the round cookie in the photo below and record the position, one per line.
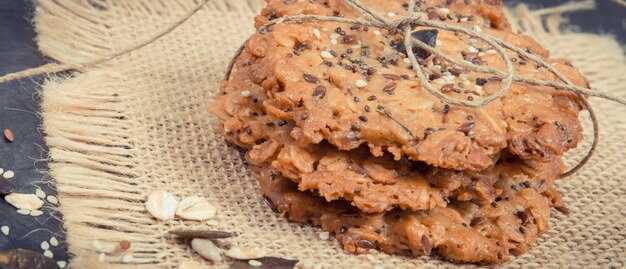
(462, 231)
(348, 85)
(372, 184)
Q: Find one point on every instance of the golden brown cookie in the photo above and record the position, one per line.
(372, 184)
(349, 85)
(462, 231)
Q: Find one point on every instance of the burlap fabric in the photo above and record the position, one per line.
(139, 123)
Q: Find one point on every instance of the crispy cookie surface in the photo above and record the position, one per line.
(372, 184)
(349, 85)
(462, 231)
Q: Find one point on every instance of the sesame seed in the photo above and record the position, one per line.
(5, 230)
(440, 81)
(45, 245)
(361, 83)
(472, 49)
(255, 263)
(102, 257)
(245, 93)
(127, 258)
(376, 32)
(333, 41)
(326, 54)
(324, 235)
(391, 14)
(62, 264)
(439, 43)
(317, 33)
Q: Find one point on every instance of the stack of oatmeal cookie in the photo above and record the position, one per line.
(341, 134)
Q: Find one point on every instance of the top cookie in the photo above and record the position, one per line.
(350, 85)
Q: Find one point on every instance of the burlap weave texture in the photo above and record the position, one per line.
(139, 123)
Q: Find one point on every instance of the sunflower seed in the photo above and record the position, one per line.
(206, 249)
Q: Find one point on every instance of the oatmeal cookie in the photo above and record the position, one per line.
(462, 231)
(352, 85)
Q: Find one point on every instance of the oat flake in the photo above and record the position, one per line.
(162, 205)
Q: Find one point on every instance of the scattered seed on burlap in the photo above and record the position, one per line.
(197, 233)
(245, 253)
(195, 208)
(124, 244)
(162, 205)
(128, 258)
(206, 249)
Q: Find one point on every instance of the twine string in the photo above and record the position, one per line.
(372, 18)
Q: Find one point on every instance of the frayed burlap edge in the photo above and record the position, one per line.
(138, 123)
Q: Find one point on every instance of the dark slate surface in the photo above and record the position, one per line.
(19, 103)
